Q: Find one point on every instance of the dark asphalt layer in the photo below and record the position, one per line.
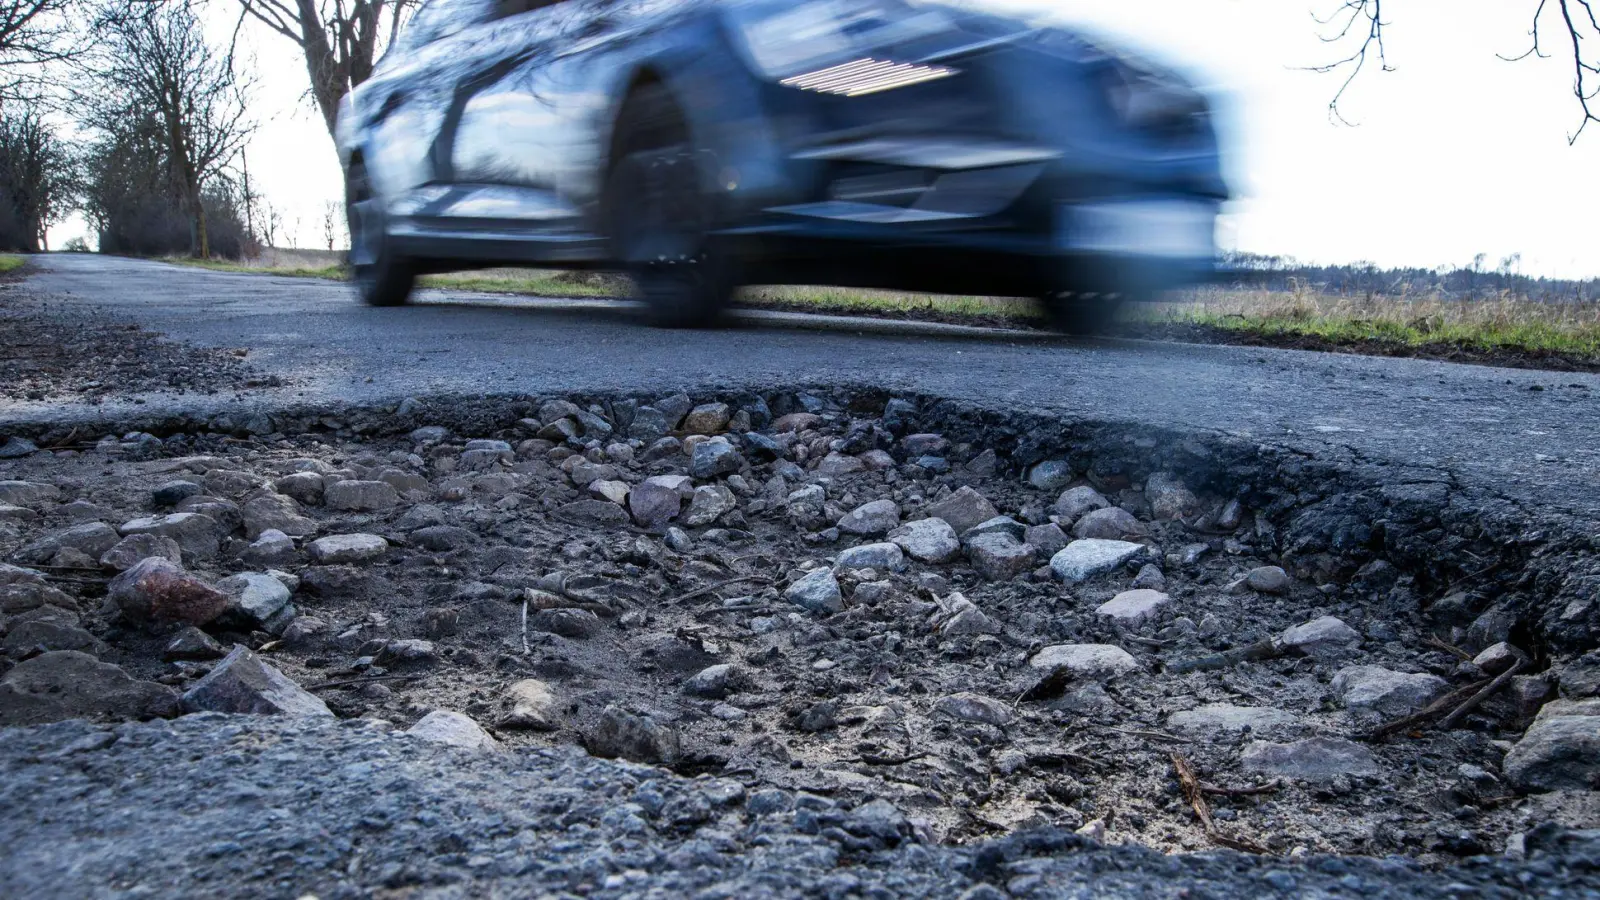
(1530, 437)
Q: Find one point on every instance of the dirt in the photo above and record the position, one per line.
(55, 350)
(857, 704)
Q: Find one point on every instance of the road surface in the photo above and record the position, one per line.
(1527, 436)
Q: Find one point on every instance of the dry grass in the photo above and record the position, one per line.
(1500, 324)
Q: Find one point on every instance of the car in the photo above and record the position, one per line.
(701, 145)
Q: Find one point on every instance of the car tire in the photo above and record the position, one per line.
(659, 217)
(382, 278)
(1084, 313)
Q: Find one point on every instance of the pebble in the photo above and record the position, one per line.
(871, 519)
(1074, 503)
(1498, 658)
(195, 533)
(1312, 759)
(1385, 691)
(1560, 751)
(70, 684)
(929, 540)
(157, 589)
(998, 556)
(127, 552)
(360, 496)
(255, 602)
(347, 548)
(881, 556)
(1112, 523)
(1084, 559)
(710, 503)
(963, 509)
(1051, 475)
(1320, 637)
(970, 707)
(1133, 607)
(1221, 720)
(1096, 661)
(243, 683)
(713, 458)
(620, 734)
(653, 504)
(1267, 580)
(817, 591)
(452, 729)
(716, 682)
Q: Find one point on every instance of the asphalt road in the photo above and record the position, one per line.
(1530, 437)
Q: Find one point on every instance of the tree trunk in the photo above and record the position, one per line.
(200, 227)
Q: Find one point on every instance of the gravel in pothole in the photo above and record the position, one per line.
(793, 595)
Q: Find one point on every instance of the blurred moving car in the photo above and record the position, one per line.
(705, 144)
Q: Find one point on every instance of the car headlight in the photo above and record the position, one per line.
(837, 46)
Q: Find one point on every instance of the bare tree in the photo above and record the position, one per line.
(158, 63)
(33, 33)
(341, 40)
(36, 181)
(1360, 23)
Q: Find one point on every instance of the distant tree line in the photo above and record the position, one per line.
(1473, 281)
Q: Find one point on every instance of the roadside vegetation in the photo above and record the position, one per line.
(10, 262)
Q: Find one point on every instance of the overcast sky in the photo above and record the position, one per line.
(1455, 153)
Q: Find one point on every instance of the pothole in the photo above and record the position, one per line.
(990, 620)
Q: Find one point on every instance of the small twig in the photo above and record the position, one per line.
(1453, 650)
(1257, 652)
(701, 592)
(1428, 713)
(1500, 681)
(1466, 578)
(525, 650)
(351, 682)
(1195, 793)
(1220, 791)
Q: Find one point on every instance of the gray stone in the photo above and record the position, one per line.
(970, 707)
(872, 519)
(714, 458)
(157, 589)
(1560, 751)
(128, 551)
(305, 487)
(360, 496)
(708, 418)
(612, 491)
(885, 557)
(33, 637)
(1325, 636)
(1385, 691)
(1167, 496)
(998, 556)
(92, 539)
(174, 492)
(570, 623)
(649, 424)
(1312, 759)
(22, 514)
(452, 729)
(274, 512)
(710, 503)
(1047, 539)
(229, 483)
(410, 482)
(1084, 559)
(1093, 661)
(716, 682)
(347, 548)
(17, 447)
(530, 705)
(654, 504)
(441, 538)
(191, 643)
(927, 540)
(1498, 658)
(1133, 607)
(997, 525)
(1051, 475)
(429, 434)
(1221, 720)
(197, 533)
(619, 734)
(28, 493)
(835, 464)
(1074, 503)
(242, 683)
(1267, 580)
(963, 509)
(68, 684)
(597, 513)
(254, 599)
(1112, 523)
(817, 591)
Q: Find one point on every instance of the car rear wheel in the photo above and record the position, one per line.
(660, 219)
(382, 278)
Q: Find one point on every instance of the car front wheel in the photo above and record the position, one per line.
(382, 277)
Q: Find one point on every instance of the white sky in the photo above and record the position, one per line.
(1456, 152)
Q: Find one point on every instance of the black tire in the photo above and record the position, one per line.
(382, 278)
(659, 216)
(1084, 313)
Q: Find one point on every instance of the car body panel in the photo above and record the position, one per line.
(493, 143)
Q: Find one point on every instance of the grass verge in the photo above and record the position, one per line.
(1497, 331)
(10, 262)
